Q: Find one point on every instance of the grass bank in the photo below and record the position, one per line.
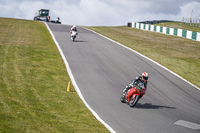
(33, 84)
(178, 54)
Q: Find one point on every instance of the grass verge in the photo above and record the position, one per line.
(178, 54)
(33, 84)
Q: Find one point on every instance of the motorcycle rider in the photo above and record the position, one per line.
(58, 19)
(141, 79)
(73, 29)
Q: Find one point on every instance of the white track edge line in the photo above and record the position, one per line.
(146, 58)
(75, 85)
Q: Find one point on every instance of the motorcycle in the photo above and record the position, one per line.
(73, 35)
(133, 95)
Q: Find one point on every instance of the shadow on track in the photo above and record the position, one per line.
(151, 106)
(79, 41)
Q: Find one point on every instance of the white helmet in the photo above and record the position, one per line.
(145, 75)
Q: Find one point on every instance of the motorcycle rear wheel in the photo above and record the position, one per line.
(134, 101)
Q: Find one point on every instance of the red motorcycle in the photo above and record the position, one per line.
(133, 95)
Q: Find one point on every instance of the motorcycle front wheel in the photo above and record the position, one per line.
(134, 101)
(123, 99)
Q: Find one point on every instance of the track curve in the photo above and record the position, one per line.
(102, 69)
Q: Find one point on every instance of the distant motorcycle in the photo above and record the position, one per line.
(133, 95)
(73, 35)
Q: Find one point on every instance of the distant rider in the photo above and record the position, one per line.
(58, 19)
(141, 79)
(73, 29)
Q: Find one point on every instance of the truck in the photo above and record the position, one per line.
(43, 15)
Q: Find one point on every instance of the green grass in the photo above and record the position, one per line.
(180, 25)
(178, 54)
(33, 84)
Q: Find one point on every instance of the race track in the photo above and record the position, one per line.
(102, 69)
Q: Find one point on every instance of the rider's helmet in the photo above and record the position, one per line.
(73, 27)
(145, 76)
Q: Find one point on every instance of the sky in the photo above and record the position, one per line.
(102, 12)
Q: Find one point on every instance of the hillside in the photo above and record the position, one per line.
(33, 82)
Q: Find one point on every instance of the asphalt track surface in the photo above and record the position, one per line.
(102, 69)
